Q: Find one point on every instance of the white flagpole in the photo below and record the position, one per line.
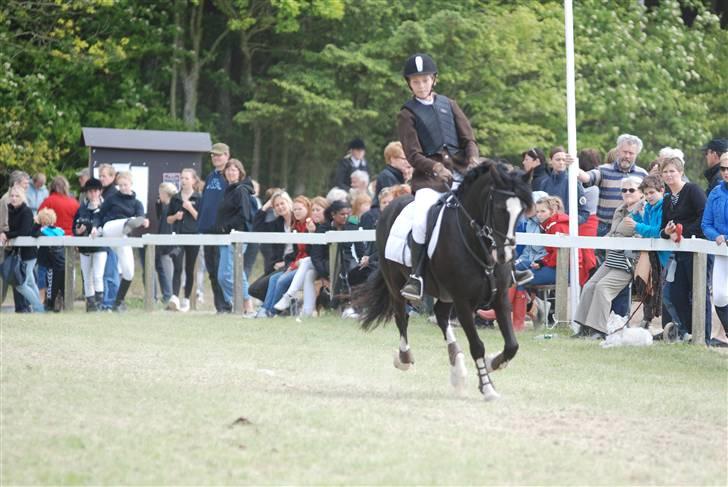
(573, 169)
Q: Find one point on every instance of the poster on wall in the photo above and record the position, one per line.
(140, 180)
(172, 177)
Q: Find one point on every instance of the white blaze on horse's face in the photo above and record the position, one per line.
(514, 207)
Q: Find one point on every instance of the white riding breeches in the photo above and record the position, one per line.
(115, 228)
(720, 274)
(92, 268)
(424, 199)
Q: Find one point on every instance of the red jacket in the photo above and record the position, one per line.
(558, 223)
(301, 249)
(65, 208)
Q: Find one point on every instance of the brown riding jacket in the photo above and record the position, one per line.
(423, 175)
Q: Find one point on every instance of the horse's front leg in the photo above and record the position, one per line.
(503, 310)
(477, 350)
(403, 358)
(455, 353)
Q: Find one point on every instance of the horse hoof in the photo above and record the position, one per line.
(489, 363)
(458, 372)
(398, 363)
(490, 394)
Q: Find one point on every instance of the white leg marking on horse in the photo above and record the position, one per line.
(458, 372)
(403, 345)
(514, 207)
(449, 335)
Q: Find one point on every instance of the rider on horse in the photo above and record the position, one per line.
(439, 144)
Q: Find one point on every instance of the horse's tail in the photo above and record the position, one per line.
(374, 300)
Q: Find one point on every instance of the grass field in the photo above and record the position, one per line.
(164, 398)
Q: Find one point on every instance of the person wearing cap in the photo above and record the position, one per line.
(438, 142)
(712, 152)
(93, 259)
(212, 195)
(37, 192)
(353, 161)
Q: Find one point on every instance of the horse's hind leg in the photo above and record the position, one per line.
(455, 353)
(403, 358)
(477, 350)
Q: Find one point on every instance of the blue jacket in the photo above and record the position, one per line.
(648, 226)
(557, 184)
(531, 253)
(715, 216)
(215, 185)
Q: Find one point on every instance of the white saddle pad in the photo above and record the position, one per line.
(396, 248)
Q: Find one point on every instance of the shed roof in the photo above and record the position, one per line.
(158, 140)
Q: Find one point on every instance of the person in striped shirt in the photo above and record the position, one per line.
(608, 177)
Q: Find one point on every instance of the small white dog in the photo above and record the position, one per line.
(624, 336)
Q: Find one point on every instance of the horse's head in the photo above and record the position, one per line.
(496, 197)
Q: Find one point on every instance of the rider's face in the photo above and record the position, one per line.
(421, 85)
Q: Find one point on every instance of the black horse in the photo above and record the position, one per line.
(471, 267)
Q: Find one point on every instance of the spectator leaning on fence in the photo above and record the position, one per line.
(167, 258)
(20, 224)
(608, 178)
(182, 215)
(556, 182)
(93, 259)
(21, 179)
(715, 227)
(608, 281)
(107, 176)
(121, 214)
(682, 215)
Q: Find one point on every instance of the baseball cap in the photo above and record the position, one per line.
(717, 145)
(220, 148)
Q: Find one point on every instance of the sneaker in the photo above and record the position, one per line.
(120, 307)
(184, 305)
(200, 297)
(284, 303)
(249, 314)
(262, 313)
(132, 224)
(522, 277)
(350, 313)
(173, 303)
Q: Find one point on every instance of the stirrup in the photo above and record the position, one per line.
(412, 296)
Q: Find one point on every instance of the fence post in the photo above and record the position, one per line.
(193, 296)
(149, 256)
(69, 281)
(700, 265)
(333, 271)
(238, 277)
(562, 285)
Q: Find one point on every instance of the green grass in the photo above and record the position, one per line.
(150, 398)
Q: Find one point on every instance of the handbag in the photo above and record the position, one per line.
(12, 268)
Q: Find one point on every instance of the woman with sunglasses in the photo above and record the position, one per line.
(682, 214)
(715, 227)
(608, 281)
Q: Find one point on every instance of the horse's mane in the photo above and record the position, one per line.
(500, 177)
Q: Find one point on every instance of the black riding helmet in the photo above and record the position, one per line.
(419, 64)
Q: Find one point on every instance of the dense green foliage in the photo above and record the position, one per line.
(287, 82)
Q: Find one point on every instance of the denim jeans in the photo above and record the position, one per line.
(542, 276)
(165, 269)
(111, 279)
(225, 273)
(29, 288)
(277, 286)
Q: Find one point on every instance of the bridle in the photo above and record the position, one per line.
(484, 235)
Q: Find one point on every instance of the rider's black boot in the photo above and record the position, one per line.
(414, 287)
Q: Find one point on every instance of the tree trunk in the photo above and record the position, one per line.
(284, 164)
(176, 46)
(257, 142)
(224, 109)
(191, 79)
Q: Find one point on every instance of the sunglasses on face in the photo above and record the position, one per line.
(629, 190)
(724, 168)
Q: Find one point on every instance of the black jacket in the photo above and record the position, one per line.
(342, 176)
(688, 211)
(234, 211)
(20, 224)
(119, 206)
(91, 219)
(389, 176)
(272, 253)
(320, 253)
(187, 224)
(712, 174)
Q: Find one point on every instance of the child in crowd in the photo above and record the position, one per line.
(53, 259)
(120, 214)
(93, 259)
(550, 212)
(167, 257)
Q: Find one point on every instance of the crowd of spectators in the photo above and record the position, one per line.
(614, 198)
